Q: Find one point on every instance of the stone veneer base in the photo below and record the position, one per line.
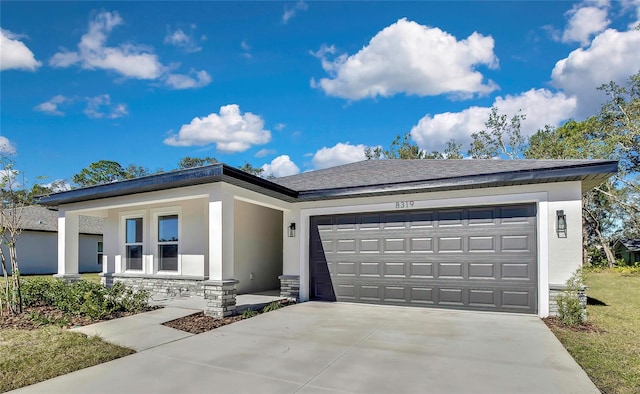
(290, 287)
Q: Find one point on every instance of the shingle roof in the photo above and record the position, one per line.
(39, 218)
(372, 177)
(433, 174)
(633, 245)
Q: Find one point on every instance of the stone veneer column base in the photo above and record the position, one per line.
(556, 290)
(290, 287)
(68, 278)
(106, 279)
(220, 296)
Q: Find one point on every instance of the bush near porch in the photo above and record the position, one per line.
(35, 345)
(608, 348)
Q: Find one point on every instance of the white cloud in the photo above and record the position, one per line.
(100, 107)
(182, 40)
(585, 20)
(341, 153)
(290, 12)
(633, 5)
(14, 54)
(280, 126)
(6, 147)
(231, 131)
(280, 166)
(411, 58)
(612, 56)
(540, 106)
(128, 60)
(51, 106)
(264, 152)
(195, 79)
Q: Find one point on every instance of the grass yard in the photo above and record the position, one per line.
(31, 356)
(611, 354)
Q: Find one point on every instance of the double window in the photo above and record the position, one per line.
(133, 243)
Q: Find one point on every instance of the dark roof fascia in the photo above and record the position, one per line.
(170, 180)
(603, 169)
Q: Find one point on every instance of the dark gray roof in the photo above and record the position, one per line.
(372, 177)
(37, 218)
(633, 245)
(399, 176)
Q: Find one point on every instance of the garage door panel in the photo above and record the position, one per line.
(482, 271)
(421, 270)
(450, 245)
(482, 244)
(480, 258)
(394, 245)
(421, 245)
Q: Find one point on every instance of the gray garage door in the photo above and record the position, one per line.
(469, 258)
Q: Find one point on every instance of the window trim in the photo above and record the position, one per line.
(100, 251)
(156, 213)
(138, 214)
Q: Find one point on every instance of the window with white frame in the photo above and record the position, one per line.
(100, 251)
(168, 243)
(133, 243)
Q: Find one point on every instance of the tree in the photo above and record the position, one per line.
(134, 171)
(402, 147)
(501, 137)
(190, 162)
(251, 169)
(100, 172)
(12, 202)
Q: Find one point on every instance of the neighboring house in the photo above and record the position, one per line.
(37, 244)
(627, 250)
(485, 235)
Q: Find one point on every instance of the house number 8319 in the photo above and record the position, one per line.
(404, 204)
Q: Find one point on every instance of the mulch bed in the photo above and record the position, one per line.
(587, 326)
(198, 323)
(37, 317)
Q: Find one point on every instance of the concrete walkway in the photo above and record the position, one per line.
(337, 348)
(145, 330)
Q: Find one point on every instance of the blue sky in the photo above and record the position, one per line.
(291, 86)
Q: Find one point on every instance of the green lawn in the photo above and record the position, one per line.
(32, 356)
(611, 354)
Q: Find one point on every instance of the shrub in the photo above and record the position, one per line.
(84, 298)
(271, 307)
(570, 310)
(247, 313)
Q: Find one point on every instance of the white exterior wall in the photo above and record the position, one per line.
(38, 252)
(258, 247)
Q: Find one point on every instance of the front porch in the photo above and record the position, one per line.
(213, 242)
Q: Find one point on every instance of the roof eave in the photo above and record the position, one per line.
(594, 173)
(171, 180)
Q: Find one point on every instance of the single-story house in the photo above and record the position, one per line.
(488, 235)
(627, 250)
(37, 244)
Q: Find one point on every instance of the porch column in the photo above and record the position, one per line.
(68, 236)
(220, 289)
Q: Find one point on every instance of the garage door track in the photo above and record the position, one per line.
(319, 347)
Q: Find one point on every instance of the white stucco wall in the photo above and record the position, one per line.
(258, 247)
(38, 253)
(193, 247)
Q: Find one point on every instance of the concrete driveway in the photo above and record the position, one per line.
(330, 348)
